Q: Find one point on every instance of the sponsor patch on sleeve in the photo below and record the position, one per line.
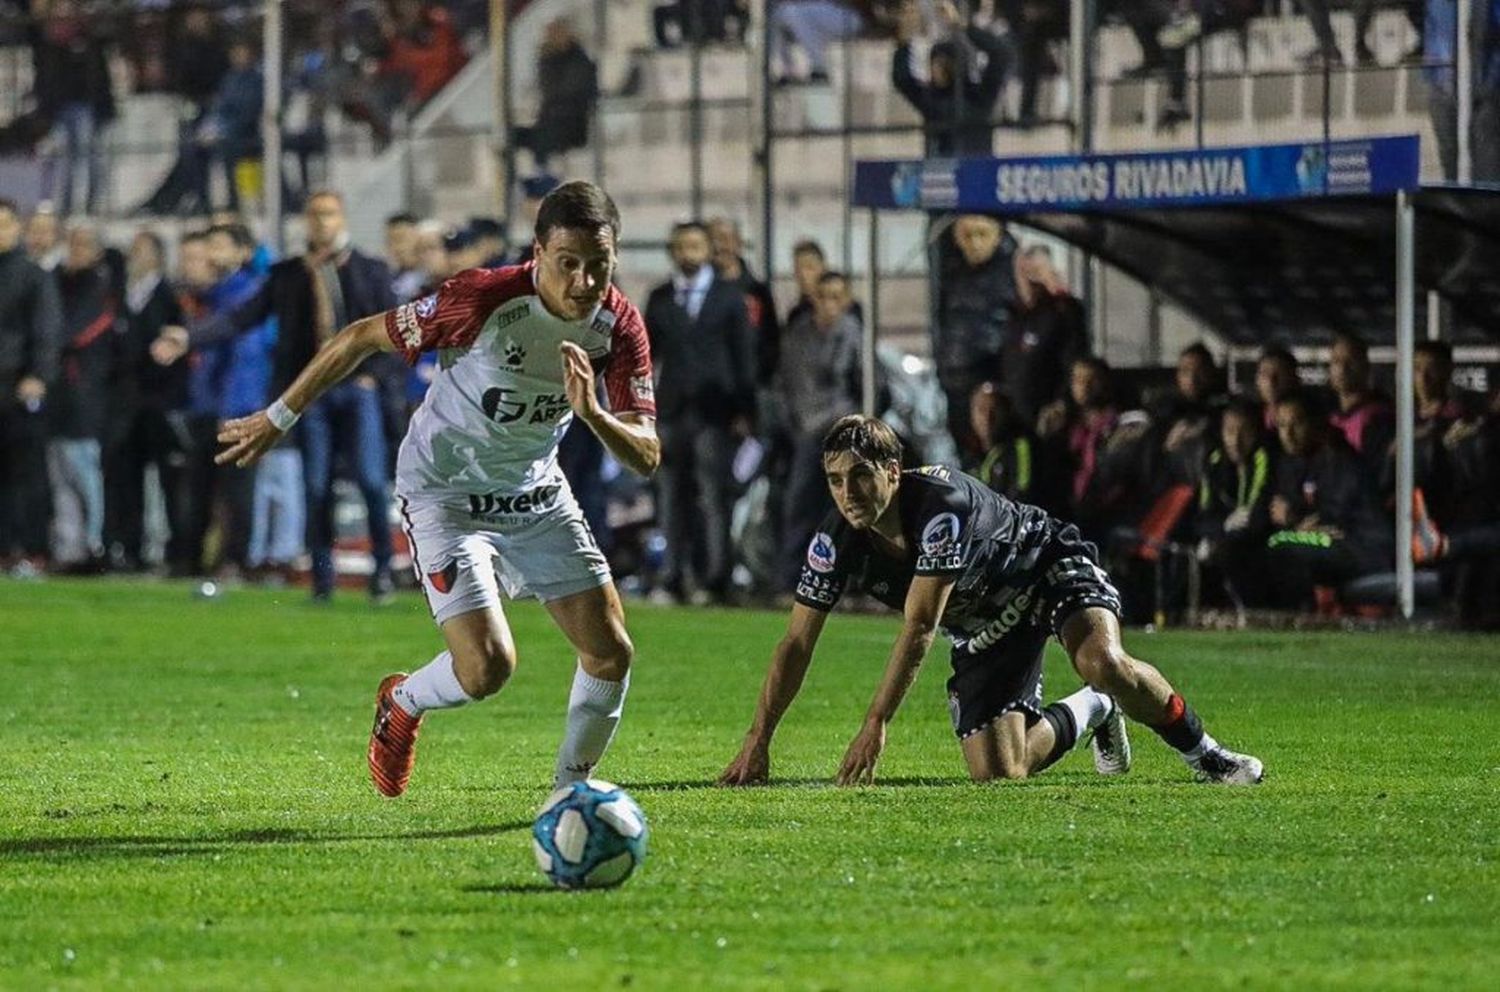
(642, 389)
(940, 544)
(408, 325)
(821, 554)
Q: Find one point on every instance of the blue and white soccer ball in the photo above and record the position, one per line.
(589, 835)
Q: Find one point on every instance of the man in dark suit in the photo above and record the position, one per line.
(703, 348)
(312, 296)
(31, 341)
(149, 420)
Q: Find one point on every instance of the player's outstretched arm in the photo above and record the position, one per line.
(924, 608)
(631, 438)
(752, 766)
(247, 438)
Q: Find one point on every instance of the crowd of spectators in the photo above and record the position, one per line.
(372, 60)
(118, 363)
(1284, 493)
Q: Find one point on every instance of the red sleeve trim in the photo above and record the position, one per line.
(627, 378)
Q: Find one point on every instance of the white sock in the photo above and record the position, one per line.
(1089, 708)
(434, 686)
(594, 708)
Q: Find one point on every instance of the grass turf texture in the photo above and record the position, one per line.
(184, 803)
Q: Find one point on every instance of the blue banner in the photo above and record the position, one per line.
(1252, 174)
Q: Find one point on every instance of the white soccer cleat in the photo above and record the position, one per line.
(1227, 767)
(1110, 743)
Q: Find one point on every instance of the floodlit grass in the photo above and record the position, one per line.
(184, 803)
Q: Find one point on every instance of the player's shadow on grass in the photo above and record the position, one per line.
(146, 846)
(514, 888)
(899, 782)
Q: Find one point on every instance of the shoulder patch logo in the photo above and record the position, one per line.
(514, 354)
(820, 553)
(936, 471)
(603, 322)
(940, 536)
(407, 326)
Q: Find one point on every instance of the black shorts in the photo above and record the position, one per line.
(998, 669)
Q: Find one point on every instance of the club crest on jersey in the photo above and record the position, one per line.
(940, 536)
(820, 553)
(642, 389)
(514, 354)
(425, 307)
(443, 579)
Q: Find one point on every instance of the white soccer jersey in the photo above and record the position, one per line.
(490, 425)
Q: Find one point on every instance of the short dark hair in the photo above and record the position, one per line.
(196, 235)
(1278, 353)
(868, 437)
(1200, 350)
(1441, 350)
(238, 233)
(832, 275)
(1244, 406)
(1300, 398)
(577, 204)
(6, 203)
(807, 246)
(1353, 340)
(403, 217)
(683, 226)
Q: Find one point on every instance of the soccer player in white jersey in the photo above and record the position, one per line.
(482, 498)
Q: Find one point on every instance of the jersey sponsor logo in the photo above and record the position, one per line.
(505, 318)
(820, 553)
(503, 406)
(816, 589)
(514, 354)
(442, 580)
(510, 504)
(425, 307)
(407, 325)
(1017, 608)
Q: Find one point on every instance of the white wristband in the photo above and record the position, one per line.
(282, 417)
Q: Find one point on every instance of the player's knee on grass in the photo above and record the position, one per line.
(998, 751)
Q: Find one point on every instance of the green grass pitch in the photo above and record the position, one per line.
(184, 804)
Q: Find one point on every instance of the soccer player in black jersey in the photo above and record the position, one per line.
(997, 577)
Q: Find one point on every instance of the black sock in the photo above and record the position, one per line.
(1064, 732)
(1180, 728)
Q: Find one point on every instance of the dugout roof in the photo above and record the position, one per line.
(1284, 242)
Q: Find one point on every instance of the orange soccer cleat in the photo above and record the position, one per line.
(393, 740)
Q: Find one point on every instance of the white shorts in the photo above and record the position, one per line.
(466, 549)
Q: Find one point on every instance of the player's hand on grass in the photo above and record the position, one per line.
(864, 751)
(752, 766)
(578, 380)
(246, 439)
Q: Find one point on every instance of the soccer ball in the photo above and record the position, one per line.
(589, 835)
